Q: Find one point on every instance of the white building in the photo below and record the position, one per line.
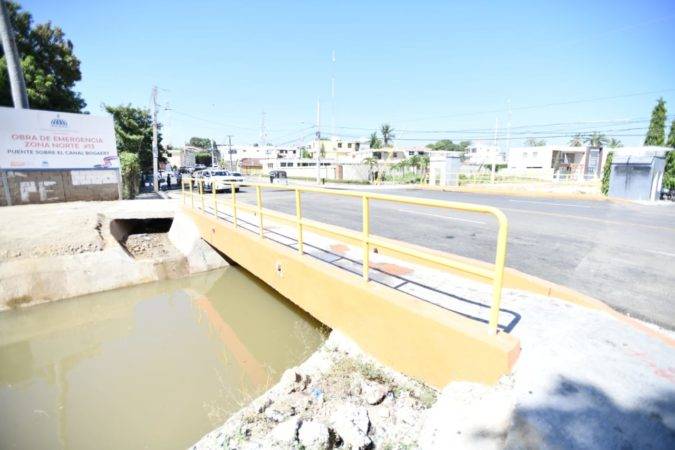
(561, 162)
(481, 154)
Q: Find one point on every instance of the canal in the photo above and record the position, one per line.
(150, 366)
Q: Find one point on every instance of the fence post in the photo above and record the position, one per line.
(234, 205)
(500, 261)
(258, 194)
(298, 218)
(192, 194)
(214, 189)
(201, 193)
(366, 234)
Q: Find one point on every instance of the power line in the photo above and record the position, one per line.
(468, 130)
(542, 105)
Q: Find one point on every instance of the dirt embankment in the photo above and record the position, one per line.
(60, 250)
(339, 397)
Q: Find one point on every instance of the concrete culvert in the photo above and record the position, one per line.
(144, 238)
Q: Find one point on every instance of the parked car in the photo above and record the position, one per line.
(219, 178)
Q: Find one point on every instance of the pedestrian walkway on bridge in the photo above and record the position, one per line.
(583, 374)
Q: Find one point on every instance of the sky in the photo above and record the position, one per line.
(431, 69)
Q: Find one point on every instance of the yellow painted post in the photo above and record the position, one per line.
(366, 234)
(258, 194)
(214, 190)
(500, 261)
(298, 219)
(192, 195)
(201, 192)
(234, 205)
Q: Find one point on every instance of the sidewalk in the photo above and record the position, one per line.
(585, 378)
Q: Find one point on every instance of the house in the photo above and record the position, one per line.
(335, 148)
(557, 161)
(481, 154)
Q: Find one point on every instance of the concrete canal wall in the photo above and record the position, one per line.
(52, 252)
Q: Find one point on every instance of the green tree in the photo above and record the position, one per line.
(532, 142)
(387, 134)
(656, 135)
(49, 65)
(669, 174)
(448, 145)
(375, 141)
(204, 143)
(596, 140)
(614, 143)
(577, 140)
(133, 132)
(606, 171)
(203, 158)
(131, 174)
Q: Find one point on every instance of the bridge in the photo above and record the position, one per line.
(357, 282)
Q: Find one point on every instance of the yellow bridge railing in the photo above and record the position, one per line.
(368, 241)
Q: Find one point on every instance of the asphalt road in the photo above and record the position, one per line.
(621, 253)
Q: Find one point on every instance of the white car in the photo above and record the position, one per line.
(222, 179)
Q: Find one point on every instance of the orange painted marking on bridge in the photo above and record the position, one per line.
(392, 269)
(339, 248)
(246, 360)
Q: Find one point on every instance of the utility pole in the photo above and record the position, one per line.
(332, 97)
(16, 80)
(155, 152)
(229, 151)
(494, 152)
(318, 142)
(508, 130)
(263, 137)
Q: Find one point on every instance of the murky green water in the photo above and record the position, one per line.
(153, 366)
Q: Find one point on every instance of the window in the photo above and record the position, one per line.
(290, 164)
(270, 165)
(339, 144)
(411, 153)
(525, 155)
(349, 145)
(534, 154)
(283, 164)
(357, 146)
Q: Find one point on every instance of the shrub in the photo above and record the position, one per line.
(606, 171)
(131, 174)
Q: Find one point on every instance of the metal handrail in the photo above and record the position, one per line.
(365, 238)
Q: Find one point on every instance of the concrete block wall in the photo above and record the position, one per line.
(49, 186)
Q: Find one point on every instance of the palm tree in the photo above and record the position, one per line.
(415, 162)
(424, 165)
(614, 143)
(371, 162)
(387, 134)
(596, 140)
(577, 140)
(375, 141)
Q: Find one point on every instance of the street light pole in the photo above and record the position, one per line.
(16, 80)
(229, 151)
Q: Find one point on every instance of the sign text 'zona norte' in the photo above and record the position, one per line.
(34, 139)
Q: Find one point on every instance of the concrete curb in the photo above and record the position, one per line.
(514, 193)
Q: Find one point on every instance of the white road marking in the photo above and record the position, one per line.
(442, 217)
(661, 253)
(549, 203)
